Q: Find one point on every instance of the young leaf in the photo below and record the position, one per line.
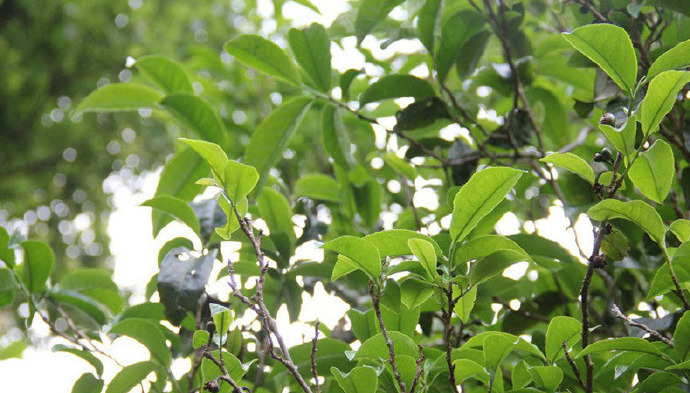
(198, 116)
(361, 379)
(360, 251)
(212, 154)
(169, 75)
(394, 242)
(148, 334)
(240, 180)
(396, 86)
(674, 58)
(478, 197)
(496, 350)
(37, 266)
(681, 228)
(119, 97)
(222, 318)
(463, 308)
(273, 134)
(493, 264)
(176, 208)
(370, 14)
(264, 56)
(424, 251)
(572, 163)
(375, 347)
(638, 212)
(200, 338)
(312, 49)
(318, 187)
(610, 48)
(623, 139)
(400, 166)
(466, 369)
(660, 98)
(413, 292)
(561, 329)
(653, 171)
(482, 246)
(681, 338)
(130, 376)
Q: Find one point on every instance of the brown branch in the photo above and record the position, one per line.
(226, 376)
(313, 357)
(375, 299)
(447, 333)
(573, 365)
(417, 374)
(618, 314)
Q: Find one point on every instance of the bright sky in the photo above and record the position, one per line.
(135, 250)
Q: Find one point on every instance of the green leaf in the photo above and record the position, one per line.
(181, 281)
(335, 138)
(87, 383)
(83, 303)
(424, 251)
(264, 56)
(493, 264)
(200, 338)
(276, 211)
(239, 180)
(96, 284)
(632, 344)
(662, 283)
(370, 14)
(429, 24)
(375, 347)
(318, 186)
(572, 163)
(623, 139)
(482, 246)
(308, 4)
(466, 368)
(400, 166)
(463, 308)
(361, 379)
(198, 116)
(660, 98)
(653, 171)
(674, 58)
(457, 30)
(130, 376)
(37, 266)
(414, 292)
(312, 49)
(478, 197)
(6, 252)
(8, 287)
(235, 368)
(88, 356)
(395, 242)
(178, 179)
(13, 350)
(548, 377)
(638, 212)
(610, 48)
(681, 228)
(496, 350)
(561, 329)
(119, 97)
(148, 334)
(176, 208)
(360, 251)
(681, 338)
(212, 154)
(520, 376)
(271, 137)
(169, 75)
(396, 86)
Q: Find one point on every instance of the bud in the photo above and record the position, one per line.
(210, 327)
(607, 118)
(598, 261)
(598, 157)
(212, 386)
(606, 154)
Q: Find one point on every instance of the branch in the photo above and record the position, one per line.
(375, 298)
(420, 360)
(618, 314)
(573, 365)
(448, 331)
(313, 357)
(225, 377)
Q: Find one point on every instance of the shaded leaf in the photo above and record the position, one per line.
(263, 55)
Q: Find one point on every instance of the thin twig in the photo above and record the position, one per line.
(573, 365)
(417, 374)
(313, 357)
(618, 314)
(447, 333)
(375, 299)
